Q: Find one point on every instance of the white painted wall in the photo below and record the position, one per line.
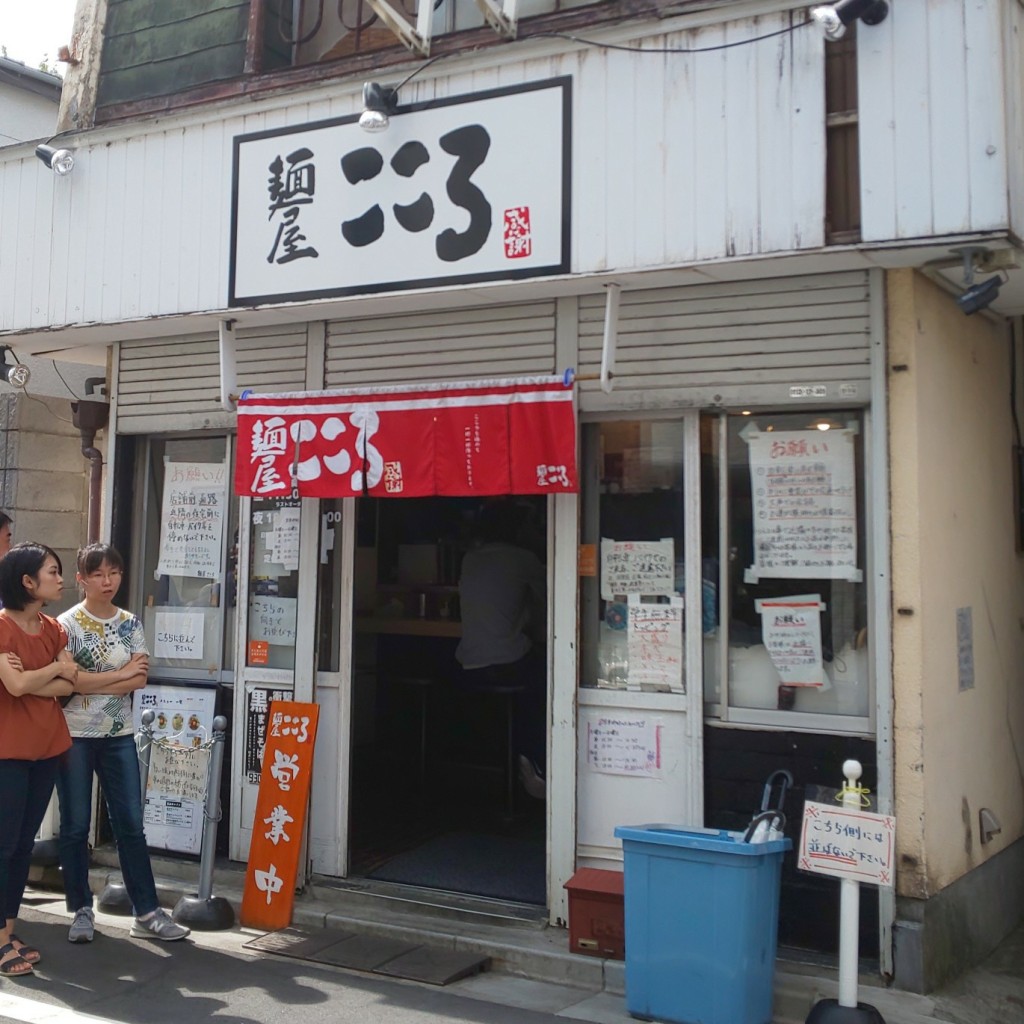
(675, 158)
(25, 116)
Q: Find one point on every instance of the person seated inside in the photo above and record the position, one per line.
(502, 591)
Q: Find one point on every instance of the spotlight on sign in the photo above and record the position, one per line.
(379, 102)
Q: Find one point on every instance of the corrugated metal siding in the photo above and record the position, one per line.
(174, 383)
(732, 335)
(514, 340)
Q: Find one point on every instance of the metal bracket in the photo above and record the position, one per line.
(500, 15)
(416, 39)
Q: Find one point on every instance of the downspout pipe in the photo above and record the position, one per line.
(90, 417)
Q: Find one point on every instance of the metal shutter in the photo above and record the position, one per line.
(174, 383)
(462, 344)
(733, 341)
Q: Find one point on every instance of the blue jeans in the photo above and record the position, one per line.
(25, 791)
(116, 763)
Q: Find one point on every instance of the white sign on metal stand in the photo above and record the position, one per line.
(856, 846)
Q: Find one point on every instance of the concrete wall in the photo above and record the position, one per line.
(43, 479)
(951, 443)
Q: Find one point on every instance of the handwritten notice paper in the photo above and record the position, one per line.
(179, 635)
(791, 629)
(273, 620)
(625, 744)
(179, 770)
(847, 843)
(192, 519)
(803, 487)
(283, 540)
(637, 567)
(655, 644)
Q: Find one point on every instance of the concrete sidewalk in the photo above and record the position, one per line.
(532, 968)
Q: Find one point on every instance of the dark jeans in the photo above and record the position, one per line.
(529, 717)
(116, 764)
(25, 791)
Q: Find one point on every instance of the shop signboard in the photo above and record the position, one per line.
(460, 189)
(847, 843)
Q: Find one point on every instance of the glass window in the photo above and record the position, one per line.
(795, 590)
(273, 582)
(189, 517)
(631, 568)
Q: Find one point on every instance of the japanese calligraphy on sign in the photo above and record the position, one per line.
(637, 567)
(623, 744)
(273, 619)
(847, 843)
(192, 519)
(179, 635)
(280, 818)
(791, 629)
(465, 189)
(655, 644)
(803, 488)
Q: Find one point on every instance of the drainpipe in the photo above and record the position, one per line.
(90, 417)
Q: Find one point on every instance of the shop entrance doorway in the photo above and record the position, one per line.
(449, 691)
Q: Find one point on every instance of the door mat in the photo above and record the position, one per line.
(496, 867)
(394, 958)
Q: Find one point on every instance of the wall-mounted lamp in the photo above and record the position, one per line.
(60, 161)
(16, 374)
(833, 18)
(977, 297)
(379, 102)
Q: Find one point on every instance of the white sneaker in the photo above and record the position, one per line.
(159, 926)
(83, 927)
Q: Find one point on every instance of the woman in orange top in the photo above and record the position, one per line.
(35, 670)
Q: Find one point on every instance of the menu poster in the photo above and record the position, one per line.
(637, 567)
(791, 630)
(283, 539)
(655, 645)
(179, 635)
(192, 519)
(273, 619)
(619, 743)
(803, 489)
(176, 792)
(258, 699)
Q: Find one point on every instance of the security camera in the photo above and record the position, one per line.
(979, 296)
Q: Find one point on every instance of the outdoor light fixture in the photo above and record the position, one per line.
(833, 18)
(60, 161)
(379, 102)
(16, 375)
(977, 297)
(980, 296)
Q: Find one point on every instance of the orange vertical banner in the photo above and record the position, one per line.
(280, 822)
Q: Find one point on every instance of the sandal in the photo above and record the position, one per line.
(29, 953)
(8, 968)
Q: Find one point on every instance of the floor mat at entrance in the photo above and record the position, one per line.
(497, 867)
(394, 958)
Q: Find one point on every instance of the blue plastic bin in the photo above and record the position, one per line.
(702, 918)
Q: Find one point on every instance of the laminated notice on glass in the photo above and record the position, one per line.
(645, 567)
(791, 629)
(803, 488)
(655, 645)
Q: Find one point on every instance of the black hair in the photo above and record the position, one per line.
(26, 559)
(90, 558)
(500, 521)
(5, 519)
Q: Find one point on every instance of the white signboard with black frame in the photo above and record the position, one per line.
(466, 188)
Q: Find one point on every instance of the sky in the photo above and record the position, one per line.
(32, 29)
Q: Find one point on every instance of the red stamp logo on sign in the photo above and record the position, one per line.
(518, 239)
